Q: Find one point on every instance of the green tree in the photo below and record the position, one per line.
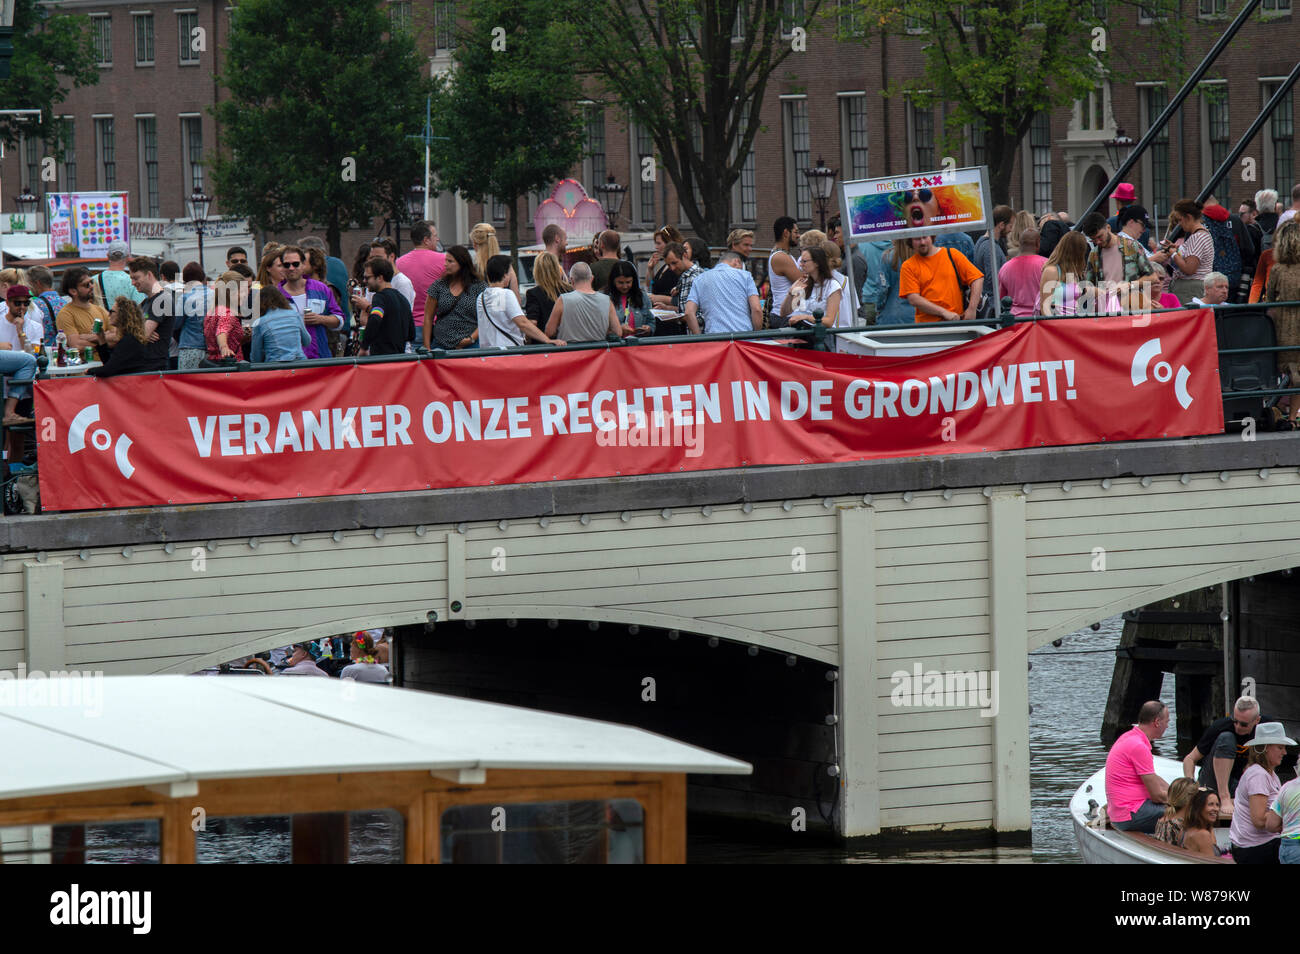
(694, 73)
(996, 64)
(52, 52)
(322, 103)
(506, 114)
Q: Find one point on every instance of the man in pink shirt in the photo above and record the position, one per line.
(1021, 278)
(423, 265)
(1135, 794)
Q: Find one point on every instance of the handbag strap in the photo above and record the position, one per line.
(483, 310)
(954, 268)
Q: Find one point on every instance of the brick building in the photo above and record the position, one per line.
(146, 127)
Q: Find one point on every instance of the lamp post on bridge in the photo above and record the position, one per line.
(821, 182)
(199, 204)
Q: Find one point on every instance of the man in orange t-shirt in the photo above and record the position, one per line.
(932, 283)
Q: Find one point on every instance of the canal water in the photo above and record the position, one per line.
(1068, 687)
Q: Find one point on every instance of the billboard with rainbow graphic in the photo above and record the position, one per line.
(952, 200)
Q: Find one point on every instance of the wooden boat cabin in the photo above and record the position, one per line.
(184, 769)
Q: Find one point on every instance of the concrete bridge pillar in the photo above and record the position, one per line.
(1008, 625)
(857, 726)
(43, 633)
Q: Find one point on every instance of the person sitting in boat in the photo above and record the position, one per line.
(365, 668)
(1223, 748)
(1135, 794)
(1253, 843)
(1284, 817)
(301, 663)
(1173, 825)
(1202, 814)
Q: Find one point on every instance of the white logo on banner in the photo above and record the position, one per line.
(1162, 372)
(100, 439)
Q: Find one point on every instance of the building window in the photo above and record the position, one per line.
(798, 149)
(1157, 98)
(748, 174)
(738, 27)
(1281, 135)
(69, 155)
(793, 14)
(105, 151)
(444, 26)
(101, 31)
(1276, 6)
(850, 19)
(143, 39)
(1216, 115)
(1091, 110)
(399, 16)
(1212, 8)
(147, 136)
(498, 209)
(1099, 9)
(1040, 149)
(594, 170)
(913, 24)
(854, 118)
(32, 163)
(1156, 11)
(922, 138)
(192, 152)
(979, 152)
(187, 23)
(645, 149)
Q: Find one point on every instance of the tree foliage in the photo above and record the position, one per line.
(323, 102)
(506, 115)
(694, 73)
(53, 52)
(996, 64)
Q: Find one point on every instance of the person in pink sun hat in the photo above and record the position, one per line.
(1124, 196)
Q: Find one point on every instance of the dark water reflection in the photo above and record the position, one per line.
(1067, 689)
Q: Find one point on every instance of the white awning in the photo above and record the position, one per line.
(152, 730)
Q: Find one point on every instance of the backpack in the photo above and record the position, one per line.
(1227, 253)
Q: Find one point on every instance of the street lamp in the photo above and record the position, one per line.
(199, 204)
(1117, 149)
(821, 181)
(415, 202)
(26, 204)
(611, 198)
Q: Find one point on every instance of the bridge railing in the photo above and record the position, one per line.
(816, 337)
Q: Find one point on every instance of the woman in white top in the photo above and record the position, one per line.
(818, 290)
(836, 259)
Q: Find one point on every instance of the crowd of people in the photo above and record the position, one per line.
(1243, 759)
(363, 656)
(138, 314)
(1107, 265)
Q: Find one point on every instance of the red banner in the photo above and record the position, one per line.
(147, 440)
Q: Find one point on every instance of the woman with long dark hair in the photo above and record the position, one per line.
(630, 304)
(1192, 257)
(818, 290)
(660, 279)
(124, 334)
(452, 300)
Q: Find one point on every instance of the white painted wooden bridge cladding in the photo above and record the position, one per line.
(955, 580)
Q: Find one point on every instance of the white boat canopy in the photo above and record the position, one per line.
(157, 730)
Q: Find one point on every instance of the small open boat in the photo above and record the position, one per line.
(175, 769)
(1110, 846)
